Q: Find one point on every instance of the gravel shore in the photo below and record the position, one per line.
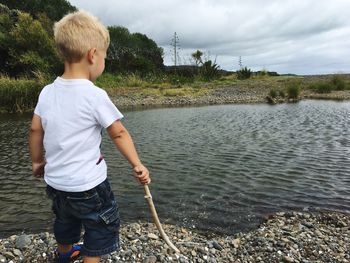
(221, 95)
(283, 237)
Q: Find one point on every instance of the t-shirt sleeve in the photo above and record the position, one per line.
(105, 111)
(37, 109)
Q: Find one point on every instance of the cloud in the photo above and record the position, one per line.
(298, 36)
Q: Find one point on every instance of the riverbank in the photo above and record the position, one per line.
(133, 92)
(283, 237)
(229, 91)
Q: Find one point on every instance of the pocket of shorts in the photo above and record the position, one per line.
(110, 216)
(85, 204)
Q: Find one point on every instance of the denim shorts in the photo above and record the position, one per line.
(96, 210)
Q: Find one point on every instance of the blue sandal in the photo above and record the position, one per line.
(69, 256)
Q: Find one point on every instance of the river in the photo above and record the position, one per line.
(214, 168)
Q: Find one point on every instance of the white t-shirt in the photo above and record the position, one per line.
(73, 114)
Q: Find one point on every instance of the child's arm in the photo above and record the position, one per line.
(36, 148)
(122, 139)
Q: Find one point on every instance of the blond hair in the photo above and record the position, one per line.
(78, 32)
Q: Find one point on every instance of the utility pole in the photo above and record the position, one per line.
(175, 45)
(240, 62)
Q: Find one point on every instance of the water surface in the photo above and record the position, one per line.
(217, 168)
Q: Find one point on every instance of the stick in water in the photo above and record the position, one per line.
(148, 196)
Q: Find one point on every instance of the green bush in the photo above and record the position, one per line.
(338, 82)
(244, 73)
(209, 70)
(273, 93)
(282, 94)
(322, 87)
(293, 90)
(19, 95)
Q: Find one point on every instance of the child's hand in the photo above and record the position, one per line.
(142, 174)
(38, 169)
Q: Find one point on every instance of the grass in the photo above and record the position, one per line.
(20, 95)
(273, 93)
(335, 83)
(293, 89)
(168, 86)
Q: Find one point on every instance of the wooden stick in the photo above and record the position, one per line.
(148, 197)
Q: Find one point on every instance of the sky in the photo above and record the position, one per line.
(303, 37)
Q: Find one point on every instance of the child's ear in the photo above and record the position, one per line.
(91, 55)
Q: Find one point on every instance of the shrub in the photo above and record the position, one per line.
(338, 82)
(293, 90)
(209, 70)
(322, 87)
(179, 80)
(282, 94)
(133, 80)
(273, 93)
(244, 73)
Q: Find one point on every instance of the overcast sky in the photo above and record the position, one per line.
(287, 36)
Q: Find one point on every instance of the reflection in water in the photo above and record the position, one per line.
(216, 168)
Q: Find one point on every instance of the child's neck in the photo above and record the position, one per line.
(75, 71)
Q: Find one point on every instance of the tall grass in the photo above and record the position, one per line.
(19, 95)
(293, 89)
(337, 82)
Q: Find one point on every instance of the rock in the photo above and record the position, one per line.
(150, 259)
(236, 243)
(9, 255)
(283, 238)
(288, 259)
(216, 245)
(152, 236)
(23, 241)
(17, 252)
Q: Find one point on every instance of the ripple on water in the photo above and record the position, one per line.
(219, 168)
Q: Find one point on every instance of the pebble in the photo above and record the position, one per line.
(279, 239)
(150, 259)
(23, 241)
(216, 245)
(152, 236)
(236, 242)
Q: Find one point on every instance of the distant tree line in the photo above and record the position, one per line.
(27, 46)
(132, 52)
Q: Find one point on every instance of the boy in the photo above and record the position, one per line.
(67, 124)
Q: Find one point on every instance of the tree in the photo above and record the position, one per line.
(197, 56)
(5, 26)
(132, 52)
(148, 49)
(30, 49)
(54, 10)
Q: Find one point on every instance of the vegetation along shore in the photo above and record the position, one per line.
(132, 91)
(283, 237)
